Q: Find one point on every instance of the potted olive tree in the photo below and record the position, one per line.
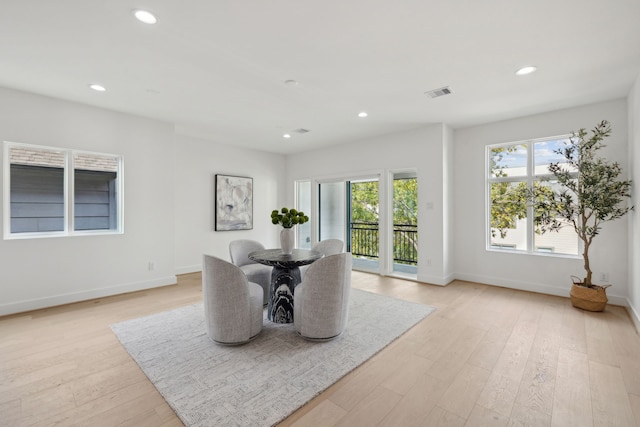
(586, 192)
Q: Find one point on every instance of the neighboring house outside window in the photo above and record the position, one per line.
(511, 169)
(42, 182)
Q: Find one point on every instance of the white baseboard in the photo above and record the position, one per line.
(52, 301)
(35, 304)
(533, 287)
(635, 316)
(189, 269)
(436, 280)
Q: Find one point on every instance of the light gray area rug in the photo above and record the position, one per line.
(264, 381)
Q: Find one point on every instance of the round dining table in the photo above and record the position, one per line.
(284, 278)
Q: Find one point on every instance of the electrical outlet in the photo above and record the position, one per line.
(604, 277)
(152, 265)
(429, 262)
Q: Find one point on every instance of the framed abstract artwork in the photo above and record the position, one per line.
(233, 203)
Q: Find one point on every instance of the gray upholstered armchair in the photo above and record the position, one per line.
(232, 305)
(239, 251)
(326, 247)
(321, 300)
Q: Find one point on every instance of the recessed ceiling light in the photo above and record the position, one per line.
(291, 82)
(286, 135)
(526, 70)
(145, 16)
(98, 88)
(362, 114)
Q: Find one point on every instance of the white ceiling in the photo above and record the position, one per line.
(216, 69)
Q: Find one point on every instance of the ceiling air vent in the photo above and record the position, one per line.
(302, 130)
(439, 92)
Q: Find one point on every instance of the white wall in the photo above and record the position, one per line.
(43, 272)
(169, 191)
(634, 218)
(422, 149)
(196, 164)
(534, 272)
(168, 206)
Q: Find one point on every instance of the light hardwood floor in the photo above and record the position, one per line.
(488, 356)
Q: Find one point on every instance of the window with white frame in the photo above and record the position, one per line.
(51, 191)
(512, 169)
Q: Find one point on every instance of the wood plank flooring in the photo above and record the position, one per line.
(488, 356)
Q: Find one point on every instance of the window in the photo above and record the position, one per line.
(42, 183)
(511, 170)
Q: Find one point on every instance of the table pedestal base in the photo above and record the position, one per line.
(283, 283)
(284, 278)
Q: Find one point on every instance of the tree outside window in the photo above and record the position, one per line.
(512, 170)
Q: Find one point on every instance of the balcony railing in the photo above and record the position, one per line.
(365, 237)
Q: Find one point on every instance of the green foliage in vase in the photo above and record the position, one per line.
(288, 217)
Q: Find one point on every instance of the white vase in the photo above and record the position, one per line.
(286, 240)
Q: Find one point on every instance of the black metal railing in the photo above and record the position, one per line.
(365, 237)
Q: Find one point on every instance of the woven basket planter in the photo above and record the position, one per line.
(590, 299)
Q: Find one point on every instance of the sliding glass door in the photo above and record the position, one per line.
(364, 223)
(349, 211)
(405, 223)
(332, 209)
(375, 216)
